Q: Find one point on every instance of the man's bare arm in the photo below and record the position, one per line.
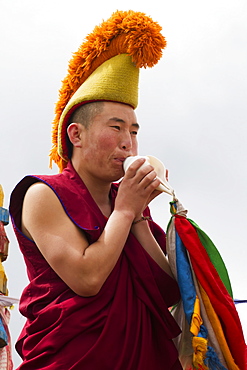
(83, 267)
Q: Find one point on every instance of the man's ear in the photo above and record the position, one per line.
(74, 134)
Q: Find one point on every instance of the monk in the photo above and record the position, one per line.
(100, 284)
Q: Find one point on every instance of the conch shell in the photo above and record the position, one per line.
(159, 169)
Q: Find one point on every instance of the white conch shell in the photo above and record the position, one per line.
(159, 169)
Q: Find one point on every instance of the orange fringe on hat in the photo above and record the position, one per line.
(128, 32)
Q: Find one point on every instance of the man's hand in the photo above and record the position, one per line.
(138, 188)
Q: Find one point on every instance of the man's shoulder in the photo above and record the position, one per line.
(28, 181)
(63, 179)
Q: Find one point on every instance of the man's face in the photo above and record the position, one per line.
(109, 139)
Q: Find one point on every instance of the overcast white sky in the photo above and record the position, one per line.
(192, 111)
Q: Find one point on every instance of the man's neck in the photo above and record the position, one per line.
(99, 190)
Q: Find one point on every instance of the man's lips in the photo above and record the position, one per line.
(119, 162)
(119, 159)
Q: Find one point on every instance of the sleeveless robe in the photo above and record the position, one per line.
(126, 326)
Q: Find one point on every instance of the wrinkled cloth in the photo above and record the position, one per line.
(212, 335)
(6, 362)
(126, 326)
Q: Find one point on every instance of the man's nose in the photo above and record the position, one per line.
(126, 142)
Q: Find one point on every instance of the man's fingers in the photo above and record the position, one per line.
(132, 169)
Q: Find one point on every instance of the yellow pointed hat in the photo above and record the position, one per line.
(106, 68)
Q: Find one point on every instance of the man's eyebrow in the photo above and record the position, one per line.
(120, 120)
(136, 125)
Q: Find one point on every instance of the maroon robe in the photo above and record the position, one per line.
(126, 326)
